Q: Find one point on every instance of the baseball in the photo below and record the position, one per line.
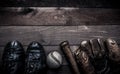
(54, 60)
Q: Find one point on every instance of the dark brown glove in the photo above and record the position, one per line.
(113, 55)
(84, 61)
(96, 54)
(113, 50)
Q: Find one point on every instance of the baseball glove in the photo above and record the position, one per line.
(98, 56)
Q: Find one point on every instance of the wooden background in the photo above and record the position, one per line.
(61, 3)
(50, 26)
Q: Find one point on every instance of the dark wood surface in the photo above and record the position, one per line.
(62, 3)
(64, 16)
(54, 35)
(50, 27)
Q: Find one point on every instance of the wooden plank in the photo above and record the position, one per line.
(61, 3)
(62, 70)
(63, 16)
(54, 35)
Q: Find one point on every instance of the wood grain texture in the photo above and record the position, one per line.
(63, 16)
(61, 3)
(54, 35)
(62, 70)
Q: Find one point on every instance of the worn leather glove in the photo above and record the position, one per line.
(113, 50)
(113, 55)
(95, 56)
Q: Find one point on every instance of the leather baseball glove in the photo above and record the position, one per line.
(98, 56)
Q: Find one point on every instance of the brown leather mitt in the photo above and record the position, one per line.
(84, 61)
(113, 55)
(113, 50)
(92, 57)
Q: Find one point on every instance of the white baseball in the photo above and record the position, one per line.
(54, 60)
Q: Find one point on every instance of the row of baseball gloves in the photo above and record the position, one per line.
(95, 56)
